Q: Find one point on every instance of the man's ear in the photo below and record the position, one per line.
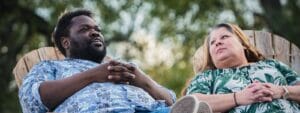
(65, 41)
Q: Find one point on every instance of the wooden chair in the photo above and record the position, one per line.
(35, 56)
(24, 65)
(270, 45)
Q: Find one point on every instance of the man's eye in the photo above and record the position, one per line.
(85, 28)
(98, 29)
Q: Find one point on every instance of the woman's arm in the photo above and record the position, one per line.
(218, 102)
(223, 102)
(294, 92)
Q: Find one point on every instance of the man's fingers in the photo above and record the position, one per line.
(129, 66)
(117, 68)
(114, 78)
(114, 62)
(128, 75)
(121, 77)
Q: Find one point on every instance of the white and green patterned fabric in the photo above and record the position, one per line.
(223, 81)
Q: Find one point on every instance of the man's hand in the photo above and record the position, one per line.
(130, 73)
(119, 72)
(134, 75)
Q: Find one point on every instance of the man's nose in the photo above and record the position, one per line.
(94, 34)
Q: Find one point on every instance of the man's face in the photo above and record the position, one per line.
(86, 40)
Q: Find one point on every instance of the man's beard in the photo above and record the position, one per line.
(87, 52)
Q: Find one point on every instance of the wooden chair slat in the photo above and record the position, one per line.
(31, 59)
(282, 49)
(27, 61)
(263, 42)
(295, 58)
(47, 53)
(19, 71)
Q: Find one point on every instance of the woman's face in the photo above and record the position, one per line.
(225, 48)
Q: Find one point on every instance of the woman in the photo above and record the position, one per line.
(236, 78)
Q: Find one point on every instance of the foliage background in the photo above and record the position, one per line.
(159, 35)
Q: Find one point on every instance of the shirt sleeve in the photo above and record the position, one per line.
(290, 75)
(202, 83)
(29, 92)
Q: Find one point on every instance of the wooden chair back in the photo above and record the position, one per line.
(33, 57)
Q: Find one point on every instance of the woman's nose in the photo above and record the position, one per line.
(218, 42)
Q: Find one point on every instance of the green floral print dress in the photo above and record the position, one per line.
(223, 81)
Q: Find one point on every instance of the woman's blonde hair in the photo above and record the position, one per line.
(202, 59)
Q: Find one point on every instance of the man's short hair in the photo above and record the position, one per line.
(63, 26)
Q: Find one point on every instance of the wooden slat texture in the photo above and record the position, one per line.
(282, 49)
(31, 59)
(250, 34)
(19, 71)
(263, 42)
(47, 53)
(295, 59)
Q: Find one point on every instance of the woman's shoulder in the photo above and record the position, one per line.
(271, 62)
(205, 73)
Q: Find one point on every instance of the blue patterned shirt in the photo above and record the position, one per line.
(104, 97)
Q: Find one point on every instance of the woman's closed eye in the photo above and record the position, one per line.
(224, 36)
(212, 42)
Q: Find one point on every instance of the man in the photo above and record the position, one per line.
(82, 82)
